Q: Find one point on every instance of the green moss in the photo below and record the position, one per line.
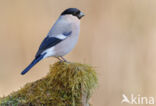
(62, 86)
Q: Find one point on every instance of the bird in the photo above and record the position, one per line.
(61, 38)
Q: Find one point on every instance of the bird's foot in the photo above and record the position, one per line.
(64, 59)
(61, 60)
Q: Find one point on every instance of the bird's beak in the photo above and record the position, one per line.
(81, 15)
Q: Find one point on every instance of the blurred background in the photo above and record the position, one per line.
(118, 37)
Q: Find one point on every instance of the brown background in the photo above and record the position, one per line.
(118, 37)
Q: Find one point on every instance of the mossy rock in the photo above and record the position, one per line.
(64, 85)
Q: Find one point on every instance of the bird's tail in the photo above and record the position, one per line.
(35, 61)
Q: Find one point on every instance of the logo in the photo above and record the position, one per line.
(132, 99)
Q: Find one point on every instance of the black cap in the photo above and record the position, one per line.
(73, 11)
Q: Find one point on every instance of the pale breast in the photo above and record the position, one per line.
(65, 24)
(68, 44)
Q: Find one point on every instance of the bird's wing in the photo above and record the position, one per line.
(52, 41)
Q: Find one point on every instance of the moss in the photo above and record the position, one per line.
(62, 86)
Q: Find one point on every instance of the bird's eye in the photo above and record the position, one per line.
(78, 12)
